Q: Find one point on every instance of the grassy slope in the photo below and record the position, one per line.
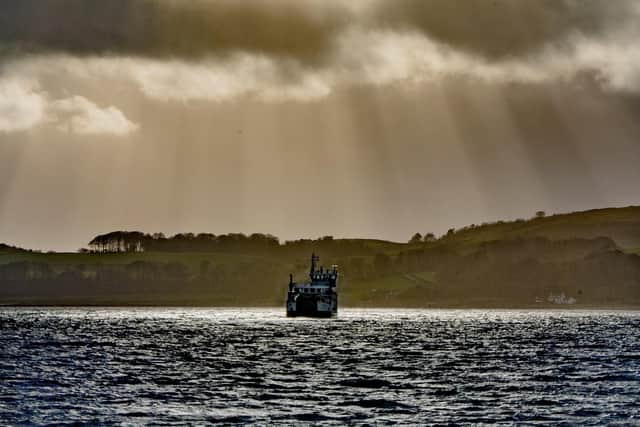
(621, 224)
(59, 261)
(389, 290)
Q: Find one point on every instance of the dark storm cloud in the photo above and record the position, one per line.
(303, 29)
(504, 28)
(168, 28)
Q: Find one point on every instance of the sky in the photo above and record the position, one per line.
(304, 118)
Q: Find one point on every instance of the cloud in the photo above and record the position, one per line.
(21, 106)
(24, 106)
(223, 80)
(80, 116)
(172, 28)
(361, 57)
(223, 50)
(504, 28)
(303, 30)
(217, 80)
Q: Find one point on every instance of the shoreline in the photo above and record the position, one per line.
(572, 307)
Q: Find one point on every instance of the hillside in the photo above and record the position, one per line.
(622, 225)
(591, 257)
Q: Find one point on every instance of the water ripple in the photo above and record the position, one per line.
(241, 366)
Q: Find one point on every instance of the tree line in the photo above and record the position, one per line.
(136, 241)
(256, 243)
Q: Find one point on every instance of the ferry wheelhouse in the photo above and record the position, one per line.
(316, 298)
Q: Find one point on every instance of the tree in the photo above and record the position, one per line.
(429, 237)
(417, 238)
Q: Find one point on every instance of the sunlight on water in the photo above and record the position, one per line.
(146, 365)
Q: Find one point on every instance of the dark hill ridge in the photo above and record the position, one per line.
(622, 225)
(582, 259)
(6, 248)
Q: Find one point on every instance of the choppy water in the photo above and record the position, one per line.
(139, 366)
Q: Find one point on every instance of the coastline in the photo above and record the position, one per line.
(541, 307)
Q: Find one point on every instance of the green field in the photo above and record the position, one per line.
(620, 224)
(192, 260)
(391, 288)
(507, 263)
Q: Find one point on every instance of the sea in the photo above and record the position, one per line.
(187, 366)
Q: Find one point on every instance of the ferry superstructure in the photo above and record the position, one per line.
(316, 298)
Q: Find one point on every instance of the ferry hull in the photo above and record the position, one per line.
(311, 307)
(317, 314)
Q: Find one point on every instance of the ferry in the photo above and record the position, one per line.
(316, 298)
